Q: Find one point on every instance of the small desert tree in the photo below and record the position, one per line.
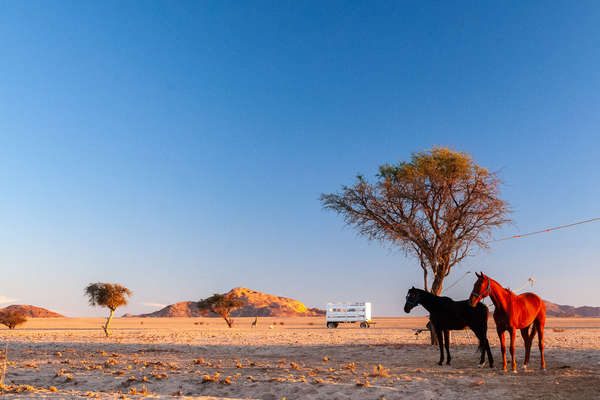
(221, 304)
(12, 318)
(109, 295)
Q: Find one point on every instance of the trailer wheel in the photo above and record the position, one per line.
(332, 325)
(364, 325)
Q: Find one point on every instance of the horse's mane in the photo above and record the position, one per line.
(512, 296)
(424, 292)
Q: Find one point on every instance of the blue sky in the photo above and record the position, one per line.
(180, 148)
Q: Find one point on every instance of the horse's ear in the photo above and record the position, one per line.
(477, 275)
(412, 287)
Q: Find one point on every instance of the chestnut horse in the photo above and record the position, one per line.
(513, 312)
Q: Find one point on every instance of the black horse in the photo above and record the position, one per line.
(447, 314)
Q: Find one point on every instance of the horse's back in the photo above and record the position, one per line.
(533, 301)
(472, 316)
(478, 313)
(530, 308)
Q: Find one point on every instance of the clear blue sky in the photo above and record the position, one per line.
(180, 148)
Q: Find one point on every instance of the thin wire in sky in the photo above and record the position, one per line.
(546, 230)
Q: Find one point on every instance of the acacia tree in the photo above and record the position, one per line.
(109, 295)
(221, 304)
(12, 318)
(439, 207)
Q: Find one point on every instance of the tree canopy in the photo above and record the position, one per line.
(12, 318)
(221, 304)
(438, 207)
(109, 295)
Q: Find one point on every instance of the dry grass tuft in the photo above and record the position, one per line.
(381, 372)
(17, 388)
(211, 378)
(366, 383)
(159, 376)
(110, 362)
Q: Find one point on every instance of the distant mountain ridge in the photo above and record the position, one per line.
(32, 311)
(255, 304)
(558, 310)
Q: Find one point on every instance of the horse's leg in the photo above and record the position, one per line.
(438, 332)
(484, 342)
(502, 346)
(479, 333)
(447, 344)
(539, 326)
(489, 352)
(513, 334)
(482, 348)
(527, 338)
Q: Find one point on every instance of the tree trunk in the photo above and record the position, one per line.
(105, 327)
(431, 328)
(436, 288)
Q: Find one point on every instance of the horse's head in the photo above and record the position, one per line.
(481, 289)
(413, 297)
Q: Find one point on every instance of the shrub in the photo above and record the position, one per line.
(12, 318)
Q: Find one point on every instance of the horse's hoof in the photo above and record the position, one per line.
(514, 371)
(441, 363)
(481, 365)
(491, 365)
(524, 366)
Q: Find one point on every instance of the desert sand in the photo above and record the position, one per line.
(295, 358)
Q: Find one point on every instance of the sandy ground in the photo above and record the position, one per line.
(295, 358)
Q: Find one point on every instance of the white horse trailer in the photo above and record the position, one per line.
(348, 312)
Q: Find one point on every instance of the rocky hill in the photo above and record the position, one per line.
(177, 310)
(32, 311)
(558, 310)
(255, 304)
